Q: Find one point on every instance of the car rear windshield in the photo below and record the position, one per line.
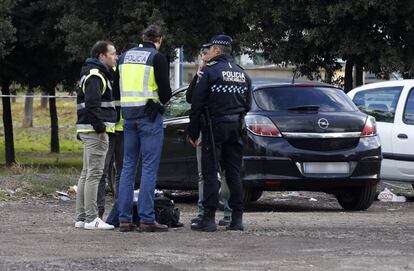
(287, 98)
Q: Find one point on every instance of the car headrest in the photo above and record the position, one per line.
(379, 107)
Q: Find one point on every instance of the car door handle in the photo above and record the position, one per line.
(180, 131)
(402, 136)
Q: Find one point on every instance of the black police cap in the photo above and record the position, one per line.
(222, 39)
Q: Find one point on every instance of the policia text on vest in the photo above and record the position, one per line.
(145, 76)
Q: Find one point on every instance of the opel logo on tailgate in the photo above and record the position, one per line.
(323, 123)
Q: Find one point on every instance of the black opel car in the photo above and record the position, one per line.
(301, 137)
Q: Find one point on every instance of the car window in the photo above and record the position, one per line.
(177, 106)
(408, 116)
(379, 102)
(282, 98)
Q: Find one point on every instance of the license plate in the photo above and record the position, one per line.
(326, 167)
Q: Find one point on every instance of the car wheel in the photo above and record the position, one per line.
(255, 195)
(251, 195)
(357, 199)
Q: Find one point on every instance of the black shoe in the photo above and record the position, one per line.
(225, 221)
(207, 224)
(196, 220)
(236, 224)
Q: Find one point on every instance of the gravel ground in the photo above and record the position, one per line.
(284, 232)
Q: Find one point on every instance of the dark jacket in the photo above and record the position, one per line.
(225, 88)
(190, 89)
(90, 102)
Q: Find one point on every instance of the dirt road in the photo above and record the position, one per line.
(284, 232)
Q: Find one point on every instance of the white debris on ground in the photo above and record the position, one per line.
(387, 196)
(297, 194)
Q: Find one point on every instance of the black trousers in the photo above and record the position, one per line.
(113, 175)
(229, 146)
(119, 159)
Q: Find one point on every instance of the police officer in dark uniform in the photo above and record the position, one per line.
(222, 97)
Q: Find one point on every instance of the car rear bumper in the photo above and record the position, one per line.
(279, 168)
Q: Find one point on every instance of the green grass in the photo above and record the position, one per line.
(37, 181)
(32, 145)
(5, 196)
(41, 187)
(39, 172)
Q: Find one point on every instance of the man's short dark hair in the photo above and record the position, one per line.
(226, 50)
(129, 45)
(152, 33)
(100, 47)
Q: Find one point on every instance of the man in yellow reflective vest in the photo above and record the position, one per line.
(96, 117)
(144, 85)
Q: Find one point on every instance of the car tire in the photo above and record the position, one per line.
(357, 199)
(251, 195)
(255, 195)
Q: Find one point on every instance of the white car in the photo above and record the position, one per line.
(392, 105)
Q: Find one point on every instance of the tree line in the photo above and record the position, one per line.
(44, 43)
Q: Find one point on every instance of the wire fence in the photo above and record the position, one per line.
(39, 96)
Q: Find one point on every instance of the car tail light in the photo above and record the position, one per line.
(370, 128)
(262, 126)
(272, 182)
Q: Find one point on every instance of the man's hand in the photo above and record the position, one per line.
(103, 136)
(201, 65)
(192, 142)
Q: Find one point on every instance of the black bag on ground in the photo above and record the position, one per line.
(165, 213)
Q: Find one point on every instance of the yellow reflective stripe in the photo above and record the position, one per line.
(110, 127)
(145, 86)
(119, 126)
(82, 80)
(110, 130)
(152, 85)
(103, 104)
(107, 104)
(80, 128)
(136, 102)
(141, 94)
(91, 73)
(133, 104)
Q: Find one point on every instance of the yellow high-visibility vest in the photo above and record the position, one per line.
(88, 128)
(137, 81)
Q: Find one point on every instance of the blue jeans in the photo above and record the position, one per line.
(142, 139)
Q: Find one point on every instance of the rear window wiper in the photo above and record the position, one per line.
(304, 108)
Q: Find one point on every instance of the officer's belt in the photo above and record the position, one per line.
(226, 118)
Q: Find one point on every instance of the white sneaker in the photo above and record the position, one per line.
(98, 224)
(79, 224)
